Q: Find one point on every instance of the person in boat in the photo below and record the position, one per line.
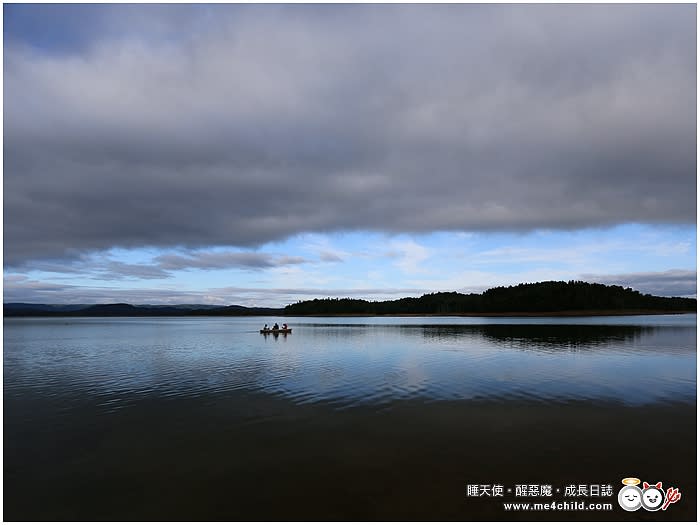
(276, 327)
(265, 327)
(284, 326)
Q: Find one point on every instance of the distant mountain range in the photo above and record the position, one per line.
(128, 310)
(552, 297)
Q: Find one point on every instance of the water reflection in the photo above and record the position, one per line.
(570, 338)
(275, 336)
(349, 364)
(178, 415)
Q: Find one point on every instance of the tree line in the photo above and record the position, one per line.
(550, 296)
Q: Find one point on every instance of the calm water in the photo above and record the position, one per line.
(184, 414)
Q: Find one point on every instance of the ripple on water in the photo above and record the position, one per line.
(349, 363)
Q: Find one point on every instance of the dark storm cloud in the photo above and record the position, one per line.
(236, 125)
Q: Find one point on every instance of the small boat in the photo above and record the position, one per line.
(278, 331)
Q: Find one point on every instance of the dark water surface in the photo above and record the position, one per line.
(345, 419)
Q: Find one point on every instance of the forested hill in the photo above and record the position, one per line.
(552, 296)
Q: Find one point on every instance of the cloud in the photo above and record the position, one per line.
(18, 288)
(201, 126)
(671, 283)
(225, 260)
(586, 251)
(106, 267)
(120, 270)
(409, 255)
(96, 266)
(330, 257)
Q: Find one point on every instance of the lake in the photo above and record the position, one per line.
(344, 419)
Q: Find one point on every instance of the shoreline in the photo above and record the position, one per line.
(564, 313)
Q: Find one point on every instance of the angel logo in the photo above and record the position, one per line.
(630, 496)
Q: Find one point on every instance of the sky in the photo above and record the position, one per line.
(265, 154)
